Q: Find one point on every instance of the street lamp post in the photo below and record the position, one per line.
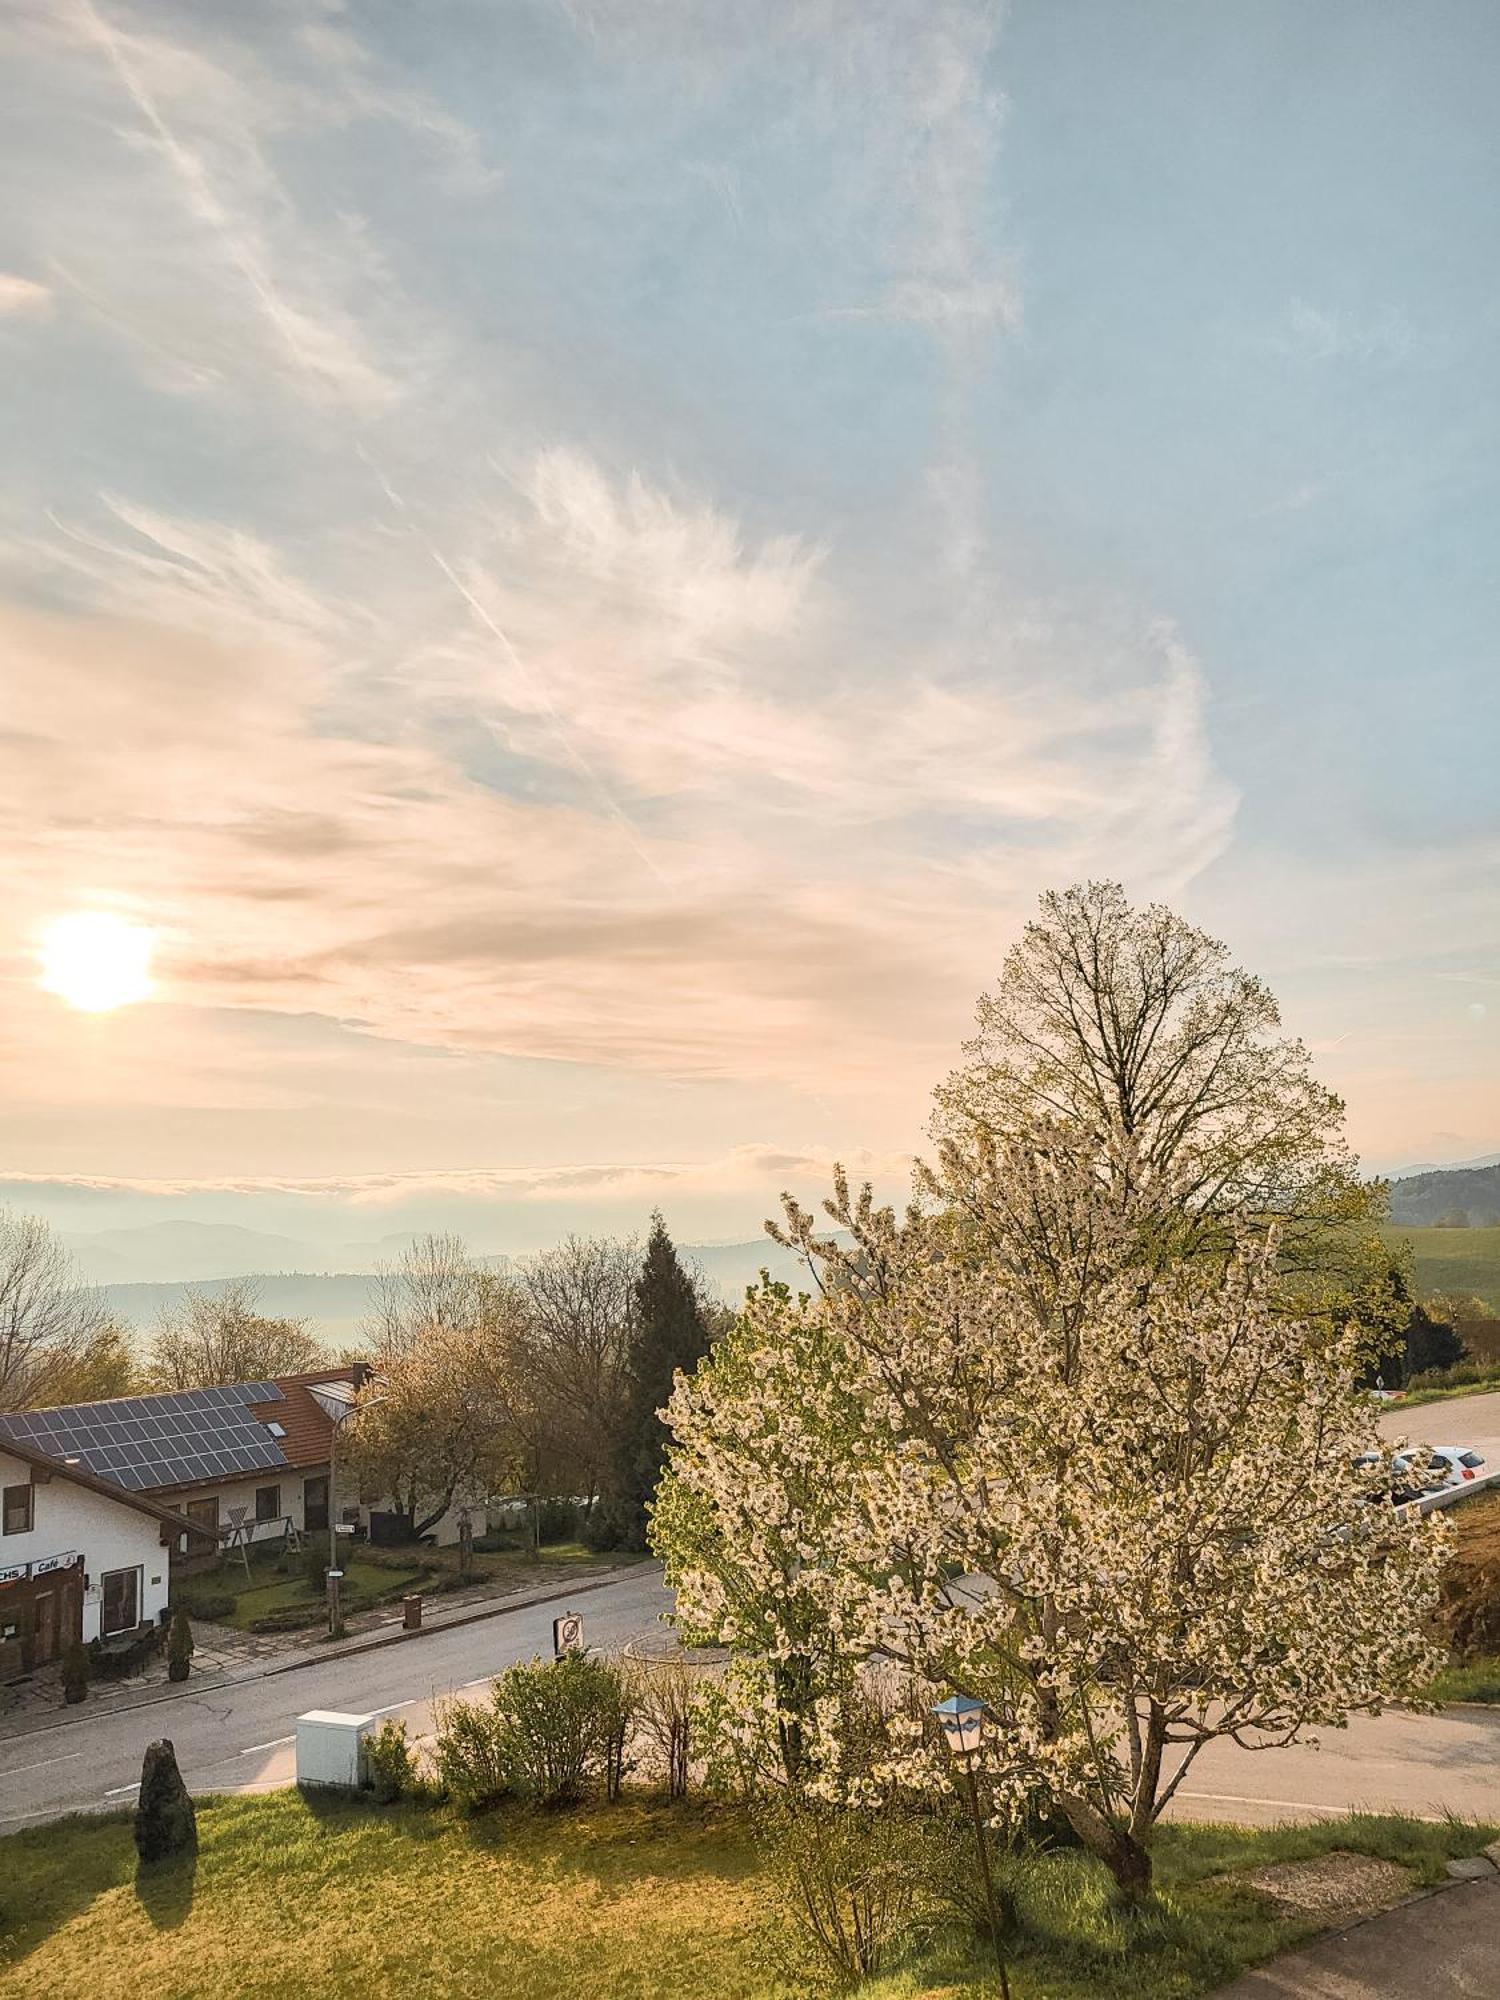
(339, 1402)
(963, 1720)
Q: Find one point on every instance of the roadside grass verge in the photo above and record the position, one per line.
(637, 1901)
(1481, 1384)
(1476, 1679)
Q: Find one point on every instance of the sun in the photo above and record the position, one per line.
(95, 961)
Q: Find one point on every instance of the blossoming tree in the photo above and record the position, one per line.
(1112, 1497)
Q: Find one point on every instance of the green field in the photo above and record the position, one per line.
(290, 1899)
(1453, 1260)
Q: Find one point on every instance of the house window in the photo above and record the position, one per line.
(268, 1503)
(315, 1504)
(19, 1515)
(122, 1601)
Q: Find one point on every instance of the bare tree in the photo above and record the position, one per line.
(48, 1320)
(1131, 1030)
(581, 1297)
(433, 1284)
(221, 1336)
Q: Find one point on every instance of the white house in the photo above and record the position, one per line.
(79, 1558)
(242, 1462)
(236, 1462)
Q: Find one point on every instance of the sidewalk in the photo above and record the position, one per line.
(1443, 1947)
(225, 1656)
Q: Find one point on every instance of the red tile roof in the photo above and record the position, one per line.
(308, 1430)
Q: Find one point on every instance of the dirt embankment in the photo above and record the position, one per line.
(1470, 1606)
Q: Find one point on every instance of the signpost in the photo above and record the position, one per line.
(567, 1635)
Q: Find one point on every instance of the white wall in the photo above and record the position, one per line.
(241, 1493)
(109, 1535)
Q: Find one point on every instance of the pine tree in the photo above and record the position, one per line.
(671, 1331)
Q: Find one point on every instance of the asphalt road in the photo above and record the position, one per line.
(240, 1739)
(1426, 1765)
(1465, 1420)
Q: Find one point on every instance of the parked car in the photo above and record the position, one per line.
(1399, 1486)
(1452, 1464)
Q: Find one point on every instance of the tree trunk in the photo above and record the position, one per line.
(1123, 1855)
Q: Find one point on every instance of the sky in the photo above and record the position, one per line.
(581, 565)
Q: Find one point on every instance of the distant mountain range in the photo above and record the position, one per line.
(330, 1285)
(334, 1302)
(157, 1252)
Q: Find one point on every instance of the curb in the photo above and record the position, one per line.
(342, 1652)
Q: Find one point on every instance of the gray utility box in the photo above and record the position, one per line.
(330, 1748)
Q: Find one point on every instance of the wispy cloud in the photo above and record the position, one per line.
(405, 703)
(746, 1169)
(1310, 333)
(169, 141)
(23, 297)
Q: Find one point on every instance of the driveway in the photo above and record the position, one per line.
(1445, 1947)
(240, 1738)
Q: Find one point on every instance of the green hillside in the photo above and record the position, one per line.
(1454, 1260)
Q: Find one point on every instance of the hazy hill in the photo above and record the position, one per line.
(334, 1303)
(1426, 1199)
(168, 1251)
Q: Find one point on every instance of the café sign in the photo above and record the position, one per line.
(18, 1572)
(49, 1563)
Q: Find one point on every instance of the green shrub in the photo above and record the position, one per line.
(75, 1673)
(469, 1753)
(564, 1725)
(315, 1567)
(601, 1528)
(204, 1600)
(290, 1618)
(557, 1521)
(846, 1883)
(390, 1768)
(180, 1647)
(165, 1823)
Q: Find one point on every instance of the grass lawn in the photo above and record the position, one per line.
(639, 1901)
(369, 1579)
(268, 1592)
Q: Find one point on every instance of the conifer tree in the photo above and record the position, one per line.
(671, 1330)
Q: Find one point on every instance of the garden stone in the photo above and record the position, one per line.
(165, 1823)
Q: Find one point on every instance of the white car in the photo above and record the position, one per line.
(1452, 1464)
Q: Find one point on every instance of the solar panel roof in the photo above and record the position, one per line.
(182, 1437)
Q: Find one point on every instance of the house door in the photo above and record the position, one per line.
(122, 1601)
(45, 1627)
(315, 1504)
